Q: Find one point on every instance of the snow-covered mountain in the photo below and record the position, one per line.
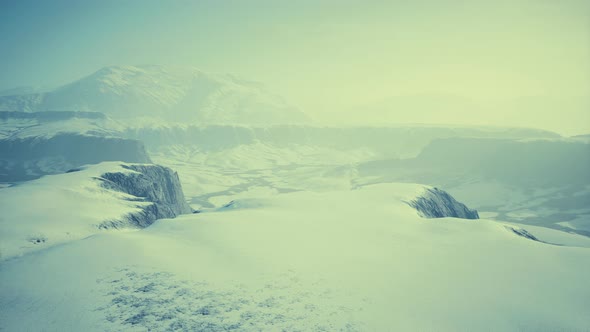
(158, 93)
(299, 227)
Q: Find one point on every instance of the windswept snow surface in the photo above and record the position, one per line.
(61, 208)
(300, 228)
(350, 260)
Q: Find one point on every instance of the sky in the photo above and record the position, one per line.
(511, 63)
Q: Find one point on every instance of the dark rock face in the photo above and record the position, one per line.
(527, 235)
(33, 157)
(148, 183)
(436, 203)
(523, 232)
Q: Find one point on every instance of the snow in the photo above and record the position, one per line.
(551, 236)
(177, 94)
(49, 124)
(535, 182)
(352, 260)
(61, 208)
(35, 144)
(299, 227)
(307, 244)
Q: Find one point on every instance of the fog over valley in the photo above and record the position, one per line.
(266, 166)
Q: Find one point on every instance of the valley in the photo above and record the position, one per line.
(180, 221)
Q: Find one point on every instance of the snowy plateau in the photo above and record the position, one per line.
(151, 198)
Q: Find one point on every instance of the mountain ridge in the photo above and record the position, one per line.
(168, 93)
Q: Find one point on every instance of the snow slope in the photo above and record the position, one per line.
(61, 208)
(536, 182)
(156, 93)
(349, 260)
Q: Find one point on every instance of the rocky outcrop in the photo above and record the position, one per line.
(61, 208)
(436, 203)
(147, 183)
(523, 233)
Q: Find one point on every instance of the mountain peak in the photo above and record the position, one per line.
(166, 93)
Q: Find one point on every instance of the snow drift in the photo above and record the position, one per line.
(349, 260)
(60, 208)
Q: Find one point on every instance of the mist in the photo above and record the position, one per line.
(346, 63)
(294, 166)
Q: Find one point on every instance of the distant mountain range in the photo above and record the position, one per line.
(160, 93)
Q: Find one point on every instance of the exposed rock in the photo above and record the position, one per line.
(436, 203)
(149, 183)
(523, 232)
(65, 207)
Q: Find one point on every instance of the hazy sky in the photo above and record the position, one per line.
(520, 63)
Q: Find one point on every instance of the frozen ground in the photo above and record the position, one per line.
(300, 228)
(351, 260)
(66, 207)
(290, 237)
